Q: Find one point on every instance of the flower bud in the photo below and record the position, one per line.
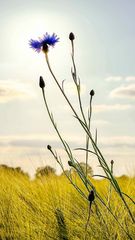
(92, 93)
(49, 147)
(41, 82)
(70, 163)
(91, 196)
(71, 36)
(112, 162)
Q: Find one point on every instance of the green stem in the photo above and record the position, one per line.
(88, 219)
(87, 137)
(47, 60)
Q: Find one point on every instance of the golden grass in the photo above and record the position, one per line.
(28, 209)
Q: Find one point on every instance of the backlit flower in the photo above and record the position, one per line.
(44, 43)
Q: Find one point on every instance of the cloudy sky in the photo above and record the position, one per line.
(105, 59)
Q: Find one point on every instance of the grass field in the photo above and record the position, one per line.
(50, 208)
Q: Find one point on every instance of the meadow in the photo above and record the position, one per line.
(49, 207)
(74, 205)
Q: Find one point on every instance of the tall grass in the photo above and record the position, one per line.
(51, 208)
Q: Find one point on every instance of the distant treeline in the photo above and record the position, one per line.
(48, 170)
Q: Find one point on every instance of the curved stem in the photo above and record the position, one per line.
(47, 60)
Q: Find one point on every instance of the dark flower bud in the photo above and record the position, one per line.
(70, 163)
(92, 93)
(49, 147)
(45, 48)
(112, 162)
(41, 82)
(71, 36)
(91, 196)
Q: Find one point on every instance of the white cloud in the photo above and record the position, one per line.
(12, 89)
(124, 91)
(114, 78)
(120, 78)
(38, 140)
(130, 79)
(118, 141)
(105, 107)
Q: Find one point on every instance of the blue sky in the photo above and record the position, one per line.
(105, 57)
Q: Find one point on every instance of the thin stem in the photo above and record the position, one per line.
(76, 83)
(80, 102)
(88, 219)
(48, 111)
(87, 137)
(110, 186)
(47, 60)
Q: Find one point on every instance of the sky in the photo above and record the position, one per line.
(105, 59)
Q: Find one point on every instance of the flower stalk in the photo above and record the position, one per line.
(44, 45)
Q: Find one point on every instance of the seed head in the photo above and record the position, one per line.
(71, 36)
(41, 82)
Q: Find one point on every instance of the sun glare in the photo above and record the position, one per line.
(22, 28)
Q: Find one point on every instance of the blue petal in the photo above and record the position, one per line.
(50, 40)
(36, 45)
(47, 39)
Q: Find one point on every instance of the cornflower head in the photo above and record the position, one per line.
(44, 43)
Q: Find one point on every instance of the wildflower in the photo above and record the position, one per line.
(41, 82)
(44, 43)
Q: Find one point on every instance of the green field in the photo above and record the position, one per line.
(50, 208)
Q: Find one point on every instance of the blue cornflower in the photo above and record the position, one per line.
(44, 43)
